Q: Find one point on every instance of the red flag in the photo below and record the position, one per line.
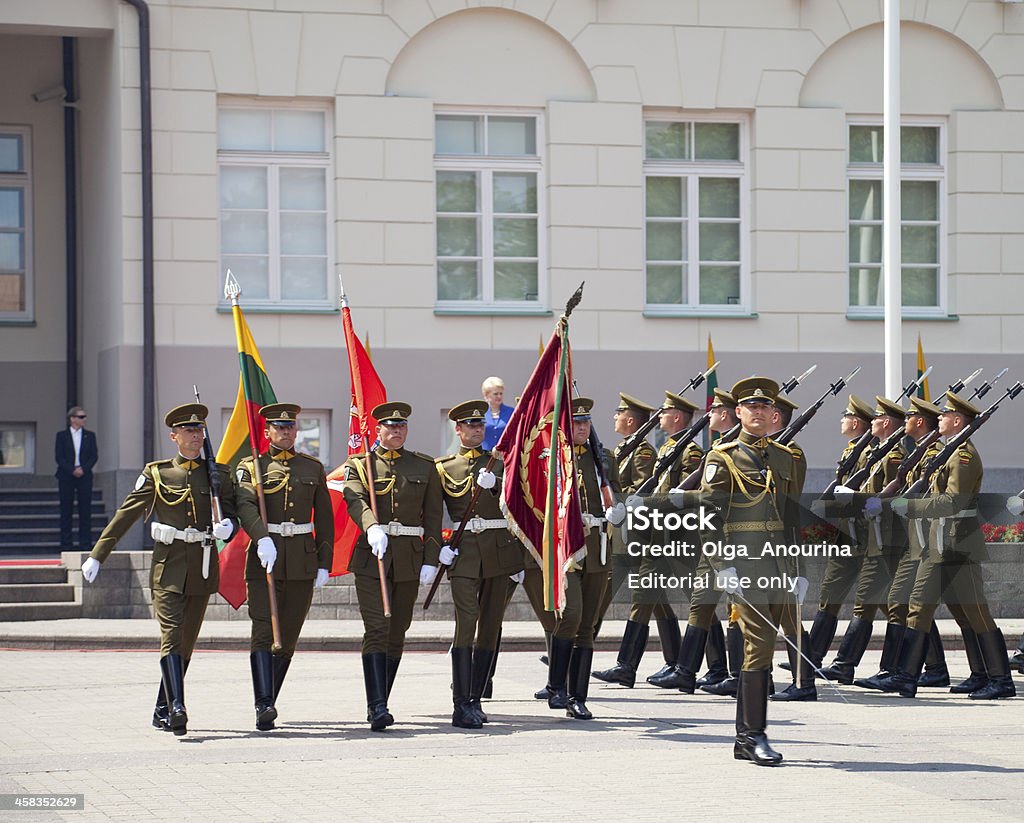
(540, 497)
(368, 392)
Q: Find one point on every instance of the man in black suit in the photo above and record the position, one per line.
(76, 454)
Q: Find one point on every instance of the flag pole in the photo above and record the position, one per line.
(371, 487)
(233, 291)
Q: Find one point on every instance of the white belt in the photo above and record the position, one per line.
(168, 534)
(940, 529)
(480, 524)
(591, 521)
(396, 529)
(290, 529)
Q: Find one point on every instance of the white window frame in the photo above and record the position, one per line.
(691, 171)
(913, 171)
(485, 165)
(324, 415)
(30, 448)
(274, 161)
(23, 180)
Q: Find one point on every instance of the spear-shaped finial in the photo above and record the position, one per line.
(574, 301)
(232, 290)
(342, 297)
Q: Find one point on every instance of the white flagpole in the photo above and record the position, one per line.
(892, 257)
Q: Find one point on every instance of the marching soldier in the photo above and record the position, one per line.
(184, 571)
(950, 567)
(630, 415)
(404, 534)
(479, 569)
(753, 482)
(296, 544)
(572, 641)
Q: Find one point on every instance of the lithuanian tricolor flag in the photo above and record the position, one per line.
(922, 391)
(712, 384)
(244, 434)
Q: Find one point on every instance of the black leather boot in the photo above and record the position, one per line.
(558, 673)
(391, 669)
(281, 665)
(935, 673)
(160, 720)
(752, 720)
(1000, 681)
(851, 650)
(173, 672)
(463, 716)
(631, 650)
(822, 633)
(579, 684)
(890, 654)
(376, 667)
(734, 650)
(668, 635)
(261, 664)
(976, 663)
(714, 653)
(908, 667)
(488, 688)
(802, 689)
(683, 675)
(546, 657)
(1018, 657)
(483, 668)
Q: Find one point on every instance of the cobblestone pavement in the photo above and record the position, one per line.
(78, 722)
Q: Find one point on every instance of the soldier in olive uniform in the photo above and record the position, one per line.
(950, 567)
(841, 573)
(634, 469)
(404, 535)
(572, 641)
(885, 541)
(184, 571)
(296, 544)
(480, 567)
(753, 482)
(676, 417)
(920, 422)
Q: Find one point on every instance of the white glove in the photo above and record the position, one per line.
(900, 505)
(873, 507)
(486, 479)
(448, 555)
(266, 551)
(427, 574)
(322, 576)
(634, 501)
(842, 493)
(1015, 505)
(677, 497)
(615, 514)
(90, 569)
(378, 540)
(818, 508)
(518, 577)
(728, 581)
(800, 589)
(223, 529)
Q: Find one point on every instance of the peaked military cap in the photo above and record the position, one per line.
(786, 403)
(394, 411)
(581, 408)
(858, 408)
(887, 407)
(286, 413)
(723, 398)
(629, 403)
(674, 401)
(922, 406)
(191, 414)
(471, 411)
(755, 389)
(955, 403)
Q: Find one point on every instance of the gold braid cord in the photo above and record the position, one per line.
(453, 487)
(172, 497)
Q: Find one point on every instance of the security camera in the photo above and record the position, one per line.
(52, 93)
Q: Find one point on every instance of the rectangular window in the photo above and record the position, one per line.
(313, 437)
(489, 196)
(695, 217)
(275, 217)
(15, 225)
(17, 448)
(922, 183)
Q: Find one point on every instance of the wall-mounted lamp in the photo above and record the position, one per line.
(51, 93)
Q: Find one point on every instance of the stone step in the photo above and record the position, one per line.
(37, 495)
(41, 519)
(39, 611)
(29, 507)
(14, 537)
(42, 593)
(31, 575)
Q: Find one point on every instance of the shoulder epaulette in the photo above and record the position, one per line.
(448, 458)
(422, 456)
(645, 447)
(159, 463)
(724, 446)
(784, 448)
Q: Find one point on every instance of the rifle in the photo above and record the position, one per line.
(795, 426)
(692, 480)
(213, 476)
(942, 457)
(633, 441)
(668, 459)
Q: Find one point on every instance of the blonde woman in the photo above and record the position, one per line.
(498, 413)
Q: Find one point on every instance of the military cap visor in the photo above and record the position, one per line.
(955, 403)
(858, 408)
(629, 403)
(191, 414)
(784, 402)
(886, 408)
(394, 411)
(755, 390)
(675, 401)
(581, 408)
(284, 414)
(921, 406)
(723, 398)
(470, 411)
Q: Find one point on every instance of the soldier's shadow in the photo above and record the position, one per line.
(921, 766)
